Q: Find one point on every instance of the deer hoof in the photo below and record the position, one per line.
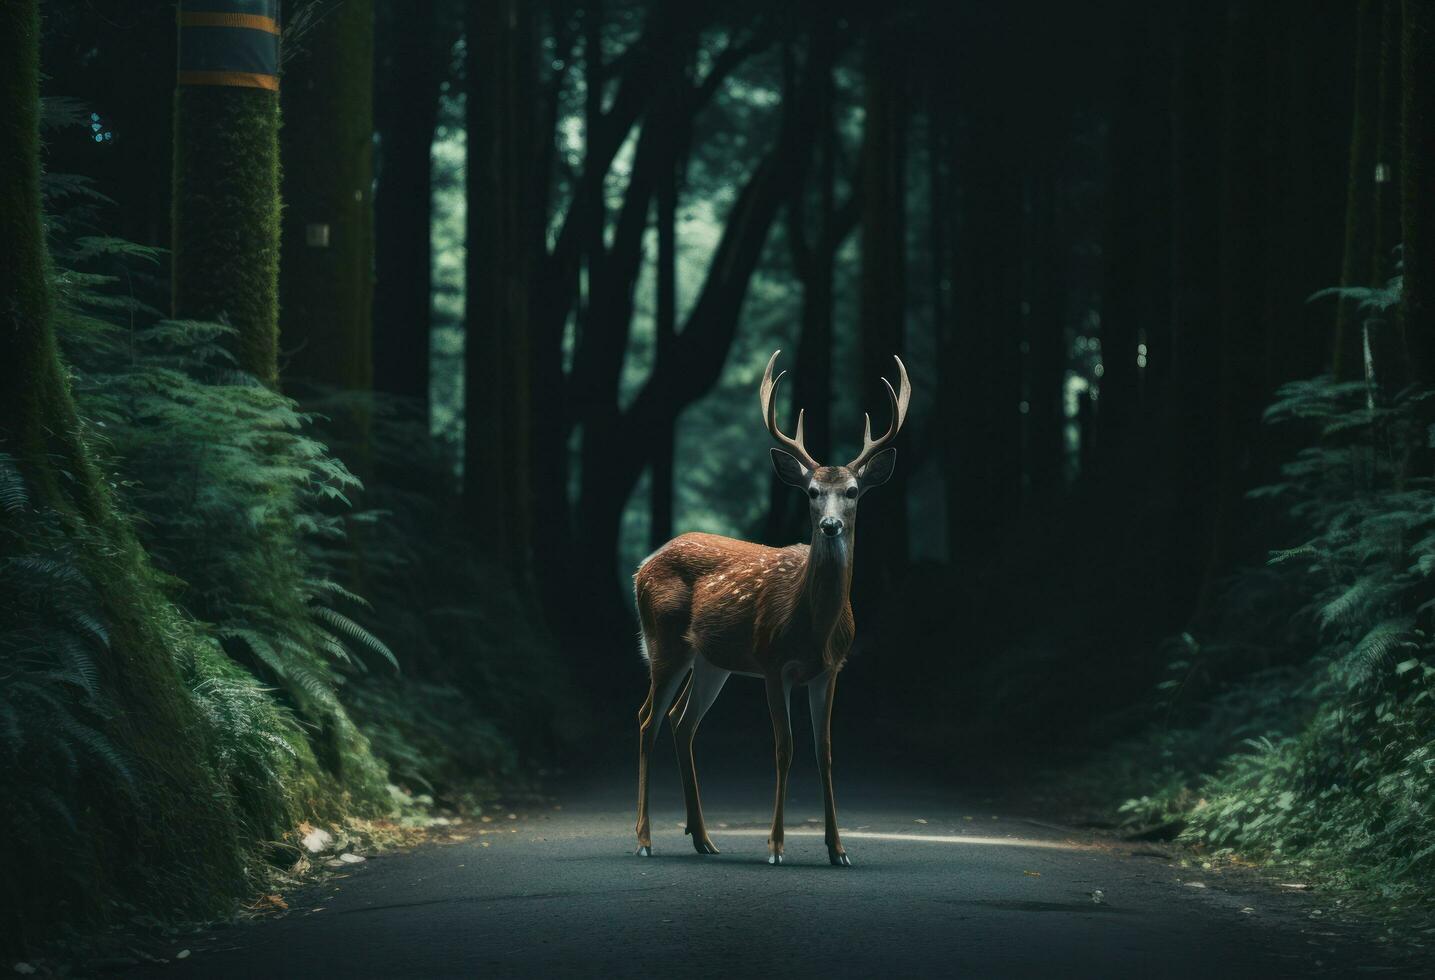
(774, 859)
(838, 858)
(644, 850)
(703, 845)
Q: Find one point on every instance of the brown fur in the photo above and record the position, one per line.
(745, 607)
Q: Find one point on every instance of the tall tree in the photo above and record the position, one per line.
(226, 177)
(1347, 357)
(670, 110)
(326, 280)
(884, 285)
(1195, 344)
(814, 236)
(1134, 291)
(1241, 389)
(414, 48)
(1418, 184)
(982, 367)
(499, 269)
(191, 843)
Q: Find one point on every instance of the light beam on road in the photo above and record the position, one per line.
(1050, 845)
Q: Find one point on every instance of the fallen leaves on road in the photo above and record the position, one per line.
(1098, 896)
(1032, 874)
(269, 903)
(919, 820)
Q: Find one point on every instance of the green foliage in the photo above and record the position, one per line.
(1327, 761)
(230, 490)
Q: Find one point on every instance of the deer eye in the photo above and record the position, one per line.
(851, 493)
(812, 492)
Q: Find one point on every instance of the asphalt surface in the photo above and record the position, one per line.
(942, 885)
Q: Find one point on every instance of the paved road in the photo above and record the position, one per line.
(941, 887)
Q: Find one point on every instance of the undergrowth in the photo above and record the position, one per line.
(250, 541)
(1323, 759)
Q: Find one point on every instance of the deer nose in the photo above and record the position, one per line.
(830, 526)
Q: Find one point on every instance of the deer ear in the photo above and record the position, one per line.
(878, 470)
(789, 469)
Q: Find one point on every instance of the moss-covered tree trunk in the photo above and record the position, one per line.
(326, 277)
(226, 180)
(177, 831)
(1417, 213)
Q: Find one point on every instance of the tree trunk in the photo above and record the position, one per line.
(498, 372)
(660, 528)
(982, 368)
(1242, 227)
(1194, 315)
(1347, 357)
(226, 193)
(412, 66)
(194, 848)
(883, 298)
(326, 279)
(1135, 291)
(813, 264)
(661, 475)
(1418, 186)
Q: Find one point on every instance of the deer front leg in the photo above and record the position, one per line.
(779, 690)
(819, 703)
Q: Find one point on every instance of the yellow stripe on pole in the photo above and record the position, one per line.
(238, 79)
(254, 22)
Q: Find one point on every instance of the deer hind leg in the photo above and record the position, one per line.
(686, 714)
(666, 675)
(779, 693)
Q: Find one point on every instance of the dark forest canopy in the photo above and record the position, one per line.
(411, 358)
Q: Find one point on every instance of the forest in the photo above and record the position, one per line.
(345, 383)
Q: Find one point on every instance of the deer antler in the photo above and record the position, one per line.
(769, 415)
(899, 415)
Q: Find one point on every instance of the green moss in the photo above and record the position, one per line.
(226, 216)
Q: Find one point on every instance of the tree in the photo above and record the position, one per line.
(192, 841)
(814, 236)
(502, 243)
(326, 281)
(669, 109)
(226, 187)
(982, 365)
(1417, 179)
(414, 48)
(884, 286)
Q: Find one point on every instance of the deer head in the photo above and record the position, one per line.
(833, 491)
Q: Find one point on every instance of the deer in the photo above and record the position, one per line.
(712, 606)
